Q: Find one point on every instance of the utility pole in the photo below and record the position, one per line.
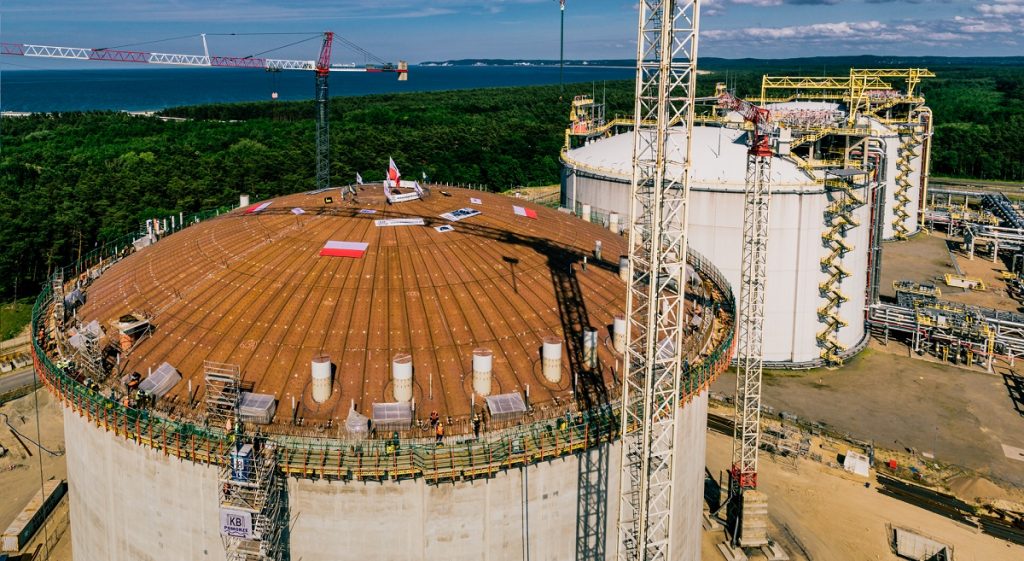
(561, 51)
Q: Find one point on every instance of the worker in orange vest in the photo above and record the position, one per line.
(439, 432)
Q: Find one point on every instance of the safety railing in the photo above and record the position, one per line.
(372, 458)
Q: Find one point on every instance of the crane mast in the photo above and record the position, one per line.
(746, 510)
(653, 369)
(322, 102)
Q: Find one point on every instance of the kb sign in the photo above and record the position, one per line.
(236, 523)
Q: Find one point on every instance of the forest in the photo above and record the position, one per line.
(70, 181)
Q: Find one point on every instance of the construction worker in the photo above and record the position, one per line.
(434, 418)
(439, 432)
(476, 425)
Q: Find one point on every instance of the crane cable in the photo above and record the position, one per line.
(312, 35)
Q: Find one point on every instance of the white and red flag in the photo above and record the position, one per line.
(257, 207)
(344, 249)
(521, 211)
(393, 174)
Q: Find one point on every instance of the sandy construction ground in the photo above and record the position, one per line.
(825, 514)
(926, 259)
(964, 417)
(20, 472)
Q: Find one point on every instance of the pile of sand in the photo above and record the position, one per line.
(976, 488)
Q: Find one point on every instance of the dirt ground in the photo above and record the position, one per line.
(19, 471)
(962, 416)
(826, 514)
(926, 259)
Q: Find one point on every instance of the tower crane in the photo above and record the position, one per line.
(659, 211)
(747, 509)
(321, 68)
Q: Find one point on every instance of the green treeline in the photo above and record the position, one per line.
(71, 181)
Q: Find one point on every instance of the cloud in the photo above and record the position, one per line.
(1002, 8)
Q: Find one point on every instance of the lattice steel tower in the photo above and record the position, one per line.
(663, 127)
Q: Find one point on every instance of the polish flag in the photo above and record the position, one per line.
(393, 174)
(520, 211)
(344, 249)
(256, 208)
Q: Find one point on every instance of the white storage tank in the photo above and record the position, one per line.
(321, 378)
(243, 201)
(401, 377)
(551, 359)
(598, 175)
(482, 363)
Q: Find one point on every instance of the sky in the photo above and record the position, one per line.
(420, 30)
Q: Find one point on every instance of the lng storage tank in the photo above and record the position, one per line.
(433, 379)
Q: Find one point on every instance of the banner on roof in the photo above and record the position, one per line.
(400, 222)
(456, 215)
(298, 210)
(367, 211)
(475, 201)
(522, 211)
(344, 249)
(256, 208)
(443, 229)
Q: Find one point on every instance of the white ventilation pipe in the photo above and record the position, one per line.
(321, 372)
(613, 222)
(619, 333)
(551, 359)
(624, 268)
(483, 360)
(401, 375)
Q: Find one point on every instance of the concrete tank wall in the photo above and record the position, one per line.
(795, 249)
(131, 503)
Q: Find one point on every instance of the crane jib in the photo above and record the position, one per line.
(175, 59)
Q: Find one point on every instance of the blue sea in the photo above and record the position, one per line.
(144, 89)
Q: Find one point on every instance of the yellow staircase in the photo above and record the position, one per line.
(839, 220)
(908, 150)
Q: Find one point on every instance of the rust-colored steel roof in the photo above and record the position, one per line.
(252, 290)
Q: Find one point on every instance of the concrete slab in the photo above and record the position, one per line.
(710, 523)
(732, 553)
(1013, 452)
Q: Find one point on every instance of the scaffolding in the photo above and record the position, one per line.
(586, 118)
(57, 288)
(222, 393)
(251, 503)
(252, 520)
(839, 220)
